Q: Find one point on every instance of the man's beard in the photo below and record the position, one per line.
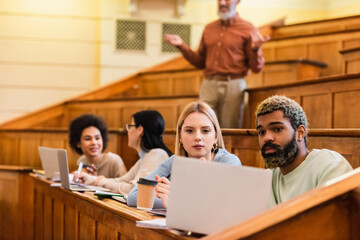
(229, 14)
(281, 157)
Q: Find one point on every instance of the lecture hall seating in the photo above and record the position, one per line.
(168, 87)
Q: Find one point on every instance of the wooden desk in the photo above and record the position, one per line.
(328, 212)
(16, 203)
(37, 211)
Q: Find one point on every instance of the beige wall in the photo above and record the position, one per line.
(48, 52)
(51, 50)
(343, 8)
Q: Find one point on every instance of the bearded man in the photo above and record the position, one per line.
(229, 47)
(282, 127)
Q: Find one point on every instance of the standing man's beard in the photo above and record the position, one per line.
(281, 157)
(229, 14)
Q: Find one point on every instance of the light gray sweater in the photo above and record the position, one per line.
(164, 170)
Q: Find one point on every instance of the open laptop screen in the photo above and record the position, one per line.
(206, 197)
(49, 162)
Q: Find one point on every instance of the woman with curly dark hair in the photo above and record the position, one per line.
(89, 137)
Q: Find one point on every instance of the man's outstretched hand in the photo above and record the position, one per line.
(257, 40)
(174, 40)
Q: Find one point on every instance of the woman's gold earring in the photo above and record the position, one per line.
(215, 148)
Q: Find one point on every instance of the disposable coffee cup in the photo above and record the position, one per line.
(146, 194)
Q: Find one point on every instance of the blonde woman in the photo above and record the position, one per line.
(199, 136)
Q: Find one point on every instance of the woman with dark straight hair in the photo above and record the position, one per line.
(154, 125)
(145, 136)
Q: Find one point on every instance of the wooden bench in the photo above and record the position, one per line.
(286, 71)
(351, 59)
(329, 102)
(317, 40)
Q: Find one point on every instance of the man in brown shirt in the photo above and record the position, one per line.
(229, 47)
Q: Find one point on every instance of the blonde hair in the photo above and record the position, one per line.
(200, 107)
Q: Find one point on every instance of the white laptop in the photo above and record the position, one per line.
(207, 197)
(64, 176)
(49, 162)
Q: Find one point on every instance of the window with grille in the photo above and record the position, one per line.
(183, 30)
(130, 35)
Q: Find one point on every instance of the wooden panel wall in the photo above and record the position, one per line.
(328, 103)
(17, 199)
(31, 209)
(276, 73)
(181, 83)
(62, 214)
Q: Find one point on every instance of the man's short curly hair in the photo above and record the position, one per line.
(84, 121)
(291, 109)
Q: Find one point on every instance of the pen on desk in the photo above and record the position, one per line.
(79, 171)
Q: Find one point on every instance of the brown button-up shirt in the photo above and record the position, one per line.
(225, 48)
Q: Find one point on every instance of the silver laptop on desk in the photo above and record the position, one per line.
(209, 197)
(64, 176)
(49, 162)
